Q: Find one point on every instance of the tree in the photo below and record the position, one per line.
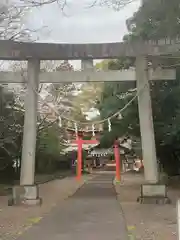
(11, 113)
(113, 98)
(49, 134)
(166, 115)
(11, 24)
(11, 122)
(64, 97)
(152, 21)
(89, 96)
(155, 20)
(48, 148)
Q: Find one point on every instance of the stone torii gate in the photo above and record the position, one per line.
(34, 52)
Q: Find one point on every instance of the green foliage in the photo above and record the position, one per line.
(155, 19)
(48, 149)
(49, 142)
(111, 103)
(11, 119)
(166, 115)
(11, 122)
(11, 130)
(121, 63)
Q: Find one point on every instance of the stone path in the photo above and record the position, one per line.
(15, 220)
(91, 213)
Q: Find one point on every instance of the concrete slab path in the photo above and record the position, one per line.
(92, 213)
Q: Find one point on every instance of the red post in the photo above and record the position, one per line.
(117, 159)
(79, 159)
(79, 141)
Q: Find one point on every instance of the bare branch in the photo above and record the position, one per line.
(10, 21)
(47, 126)
(39, 3)
(34, 3)
(115, 4)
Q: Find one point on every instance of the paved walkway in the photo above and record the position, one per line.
(91, 213)
(15, 220)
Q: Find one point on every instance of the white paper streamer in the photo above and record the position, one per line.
(60, 122)
(119, 117)
(76, 128)
(93, 130)
(109, 125)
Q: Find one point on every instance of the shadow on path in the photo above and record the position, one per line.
(92, 213)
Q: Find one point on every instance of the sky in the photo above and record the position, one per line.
(79, 24)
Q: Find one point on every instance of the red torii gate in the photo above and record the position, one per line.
(79, 141)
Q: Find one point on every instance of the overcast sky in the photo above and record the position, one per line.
(79, 24)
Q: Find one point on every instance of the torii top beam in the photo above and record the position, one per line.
(11, 50)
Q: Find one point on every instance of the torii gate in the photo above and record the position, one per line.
(79, 141)
(34, 52)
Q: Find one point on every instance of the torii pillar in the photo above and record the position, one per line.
(79, 141)
(146, 121)
(29, 135)
(117, 159)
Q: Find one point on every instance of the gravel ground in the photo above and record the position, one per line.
(91, 213)
(15, 220)
(147, 221)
